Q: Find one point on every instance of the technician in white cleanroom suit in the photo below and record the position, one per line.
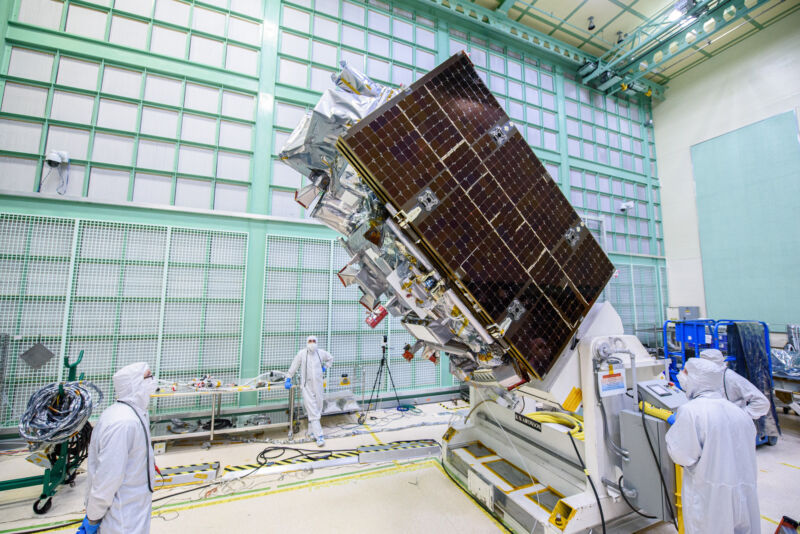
(737, 388)
(312, 362)
(121, 464)
(715, 442)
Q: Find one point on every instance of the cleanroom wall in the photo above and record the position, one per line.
(753, 80)
(178, 240)
(750, 260)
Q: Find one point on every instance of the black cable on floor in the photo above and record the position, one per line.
(591, 483)
(624, 498)
(263, 458)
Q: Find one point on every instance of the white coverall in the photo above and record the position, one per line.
(737, 388)
(310, 363)
(714, 441)
(121, 464)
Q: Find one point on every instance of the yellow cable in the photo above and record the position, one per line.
(561, 418)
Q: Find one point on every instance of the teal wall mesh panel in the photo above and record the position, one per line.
(304, 296)
(122, 293)
(35, 265)
(637, 294)
(648, 316)
(619, 292)
(203, 310)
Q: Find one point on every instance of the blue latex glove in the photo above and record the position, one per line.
(324, 368)
(288, 383)
(88, 528)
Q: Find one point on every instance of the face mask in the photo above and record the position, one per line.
(150, 385)
(147, 388)
(311, 346)
(686, 383)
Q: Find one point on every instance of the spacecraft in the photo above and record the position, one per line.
(452, 223)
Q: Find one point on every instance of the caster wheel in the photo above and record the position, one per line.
(772, 440)
(42, 508)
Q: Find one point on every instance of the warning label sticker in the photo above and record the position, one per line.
(612, 384)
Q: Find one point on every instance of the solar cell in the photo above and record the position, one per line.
(471, 193)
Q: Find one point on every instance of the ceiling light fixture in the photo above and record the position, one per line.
(674, 15)
(679, 9)
(591, 24)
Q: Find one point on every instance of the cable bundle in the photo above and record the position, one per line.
(272, 454)
(53, 417)
(574, 423)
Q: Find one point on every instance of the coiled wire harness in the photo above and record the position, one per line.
(57, 411)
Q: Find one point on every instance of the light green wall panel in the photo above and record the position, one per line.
(748, 184)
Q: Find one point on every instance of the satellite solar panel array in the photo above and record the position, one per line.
(472, 194)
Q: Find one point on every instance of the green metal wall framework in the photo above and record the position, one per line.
(121, 292)
(600, 149)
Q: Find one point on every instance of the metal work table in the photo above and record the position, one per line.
(215, 412)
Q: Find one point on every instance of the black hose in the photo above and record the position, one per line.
(218, 424)
(77, 452)
(591, 483)
(78, 448)
(265, 457)
(658, 466)
(262, 459)
(624, 498)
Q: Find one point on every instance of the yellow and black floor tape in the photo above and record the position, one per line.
(333, 456)
(394, 447)
(185, 469)
(302, 460)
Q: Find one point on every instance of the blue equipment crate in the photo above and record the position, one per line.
(691, 332)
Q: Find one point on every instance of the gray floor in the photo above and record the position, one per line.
(779, 476)
(394, 497)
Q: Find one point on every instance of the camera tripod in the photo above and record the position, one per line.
(383, 365)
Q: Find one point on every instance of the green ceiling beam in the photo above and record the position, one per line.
(543, 44)
(641, 38)
(740, 38)
(504, 6)
(723, 14)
